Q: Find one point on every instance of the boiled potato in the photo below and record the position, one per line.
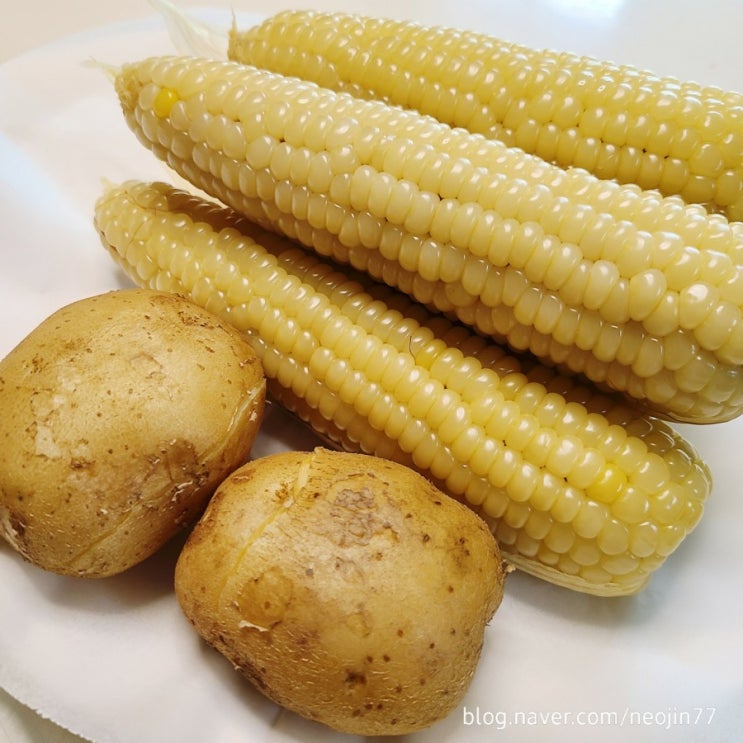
(121, 414)
(346, 587)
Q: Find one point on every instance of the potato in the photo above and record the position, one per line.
(345, 587)
(121, 414)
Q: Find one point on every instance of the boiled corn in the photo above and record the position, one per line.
(637, 293)
(615, 121)
(578, 488)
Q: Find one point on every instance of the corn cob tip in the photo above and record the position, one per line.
(126, 86)
(109, 70)
(191, 36)
(107, 189)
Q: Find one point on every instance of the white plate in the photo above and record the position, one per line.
(115, 661)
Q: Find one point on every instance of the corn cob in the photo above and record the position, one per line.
(578, 488)
(637, 293)
(615, 121)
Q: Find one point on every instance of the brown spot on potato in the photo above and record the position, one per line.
(355, 678)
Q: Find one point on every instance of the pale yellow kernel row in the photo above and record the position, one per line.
(671, 374)
(365, 391)
(499, 261)
(615, 121)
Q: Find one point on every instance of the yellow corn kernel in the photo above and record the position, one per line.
(559, 263)
(372, 371)
(617, 121)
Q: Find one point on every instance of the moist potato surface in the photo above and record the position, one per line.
(121, 413)
(346, 587)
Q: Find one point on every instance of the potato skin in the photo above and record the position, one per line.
(345, 587)
(121, 414)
